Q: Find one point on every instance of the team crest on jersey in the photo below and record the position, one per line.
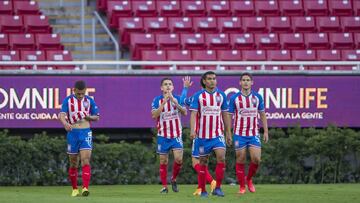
(86, 104)
(236, 143)
(218, 99)
(253, 101)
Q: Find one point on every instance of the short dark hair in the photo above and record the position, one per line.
(246, 74)
(80, 85)
(162, 81)
(203, 77)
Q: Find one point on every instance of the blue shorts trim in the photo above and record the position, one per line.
(244, 142)
(79, 139)
(203, 147)
(164, 145)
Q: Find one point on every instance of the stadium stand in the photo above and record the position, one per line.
(262, 30)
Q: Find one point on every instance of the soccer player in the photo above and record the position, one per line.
(76, 113)
(208, 116)
(246, 105)
(166, 109)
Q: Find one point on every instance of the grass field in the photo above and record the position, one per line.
(150, 193)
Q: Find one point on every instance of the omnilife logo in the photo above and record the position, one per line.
(35, 98)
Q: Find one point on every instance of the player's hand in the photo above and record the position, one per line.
(193, 135)
(68, 127)
(266, 136)
(166, 97)
(229, 140)
(187, 81)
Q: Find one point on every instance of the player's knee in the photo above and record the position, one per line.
(203, 161)
(221, 159)
(163, 161)
(179, 160)
(256, 160)
(240, 159)
(85, 161)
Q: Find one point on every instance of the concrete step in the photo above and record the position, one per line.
(75, 38)
(87, 55)
(75, 29)
(88, 46)
(68, 19)
(64, 3)
(61, 11)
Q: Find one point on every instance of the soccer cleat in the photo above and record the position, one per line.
(242, 190)
(164, 190)
(204, 194)
(174, 186)
(197, 192)
(85, 192)
(212, 186)
(75, 193)
(250, 185)
(218, 192)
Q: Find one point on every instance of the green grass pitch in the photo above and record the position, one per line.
(326, 193)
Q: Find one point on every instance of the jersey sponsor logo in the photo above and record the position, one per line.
(211, 110)
(170, 115)
(248, 112)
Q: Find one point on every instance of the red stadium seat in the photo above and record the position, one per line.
(350, 55)
(254, 24)
(144, 8)
(292, 41)
(341, 8)
(217, 41)
(253, 55)
(317, 40)
(193, 41)
(291, 7)
(35, 56)
(303, 55)
(328, 55)
(26, 8)
(356, 7)
(6, 7)
(101, 5)
(267, 41)
(48, 42)
(328, 24)
(279, 24)
(167, 8)
(357, 39)
(168, 41)
(303, 24)
(351, 24)
(204, 55)
(141, 41)
(242, 41)
(243, 8)
(190, 67)
(11, 24)
(116, 9)
(60, 55)
(128, 26)
(229, 55)
(156, 25)
(278, 55)
(243, 68)
(153, 55)
(180, 24)
(218, 8)
(346, 68)
(22, 41)
(229, 25)
(341, 40)
(319, 68)
(316, 7)
(178, 55)
(11, 56)
(193, 7)
(4, 42)
(205, 24)
(37, 24)
(267, 8)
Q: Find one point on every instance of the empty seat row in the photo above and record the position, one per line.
(250, 55)
(237, 25)
(229, 8)
(139, 41)
(26, 23)
(19, 7)
(30, 42)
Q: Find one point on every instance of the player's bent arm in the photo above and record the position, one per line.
(92, 118)
(192, 123)
(156, 112)
(62, 118)
(182, 109)
(264, 121)
(227, 122)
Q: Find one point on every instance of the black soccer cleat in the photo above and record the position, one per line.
(174, 186)
(164, 190)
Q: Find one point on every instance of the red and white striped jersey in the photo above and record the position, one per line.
(77, 110)
(209, 105)
(245, 110)
(169, 121)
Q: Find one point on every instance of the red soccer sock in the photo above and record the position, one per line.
(208, 176)
(220, 170)
(252, 170)
(202, 178)
(73, 174)
(197, 169)
(163, 174)
(240, 173)
(86, 175)
(176, 170)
